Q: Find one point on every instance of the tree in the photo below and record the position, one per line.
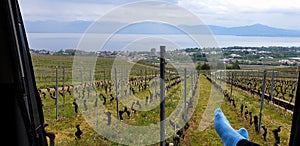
(236, 65)
(198, 67)
(70, 51)
(205, 66)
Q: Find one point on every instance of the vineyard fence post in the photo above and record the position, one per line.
(262, 100)
(272, 87)
(184, 97)
(231, 84)
(117, 102)
(56, 92)
(162, 95)
(63, 91)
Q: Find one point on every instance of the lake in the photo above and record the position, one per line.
(131, 42)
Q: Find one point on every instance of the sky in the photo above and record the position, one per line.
(228, 13)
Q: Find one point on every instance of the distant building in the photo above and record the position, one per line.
(153, 52)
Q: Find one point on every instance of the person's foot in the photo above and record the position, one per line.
(230, 136)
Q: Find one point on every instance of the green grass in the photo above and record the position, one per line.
(45, 69)
(65, 126)
(272, 117)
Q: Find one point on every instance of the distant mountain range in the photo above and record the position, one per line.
(158, 28)
(255, 30)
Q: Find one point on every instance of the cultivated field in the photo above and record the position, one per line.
(137, 88)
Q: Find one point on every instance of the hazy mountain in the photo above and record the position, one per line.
(56, 27)
(157, 28)
(254, 30)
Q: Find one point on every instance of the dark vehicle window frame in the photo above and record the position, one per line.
(23, 117)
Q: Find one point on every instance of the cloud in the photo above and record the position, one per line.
(71, 10)
(111, 2)
(277, 13)
(41, 10)
(149, 12)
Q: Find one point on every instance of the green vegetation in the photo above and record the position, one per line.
(64, 127)
(272, 55)
(235, 65)
(45, 69)
(204, 66)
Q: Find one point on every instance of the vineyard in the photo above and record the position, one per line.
(116, 99)
(276, 87)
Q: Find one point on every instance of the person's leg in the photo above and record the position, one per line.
(245, 142)
(230, 136)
